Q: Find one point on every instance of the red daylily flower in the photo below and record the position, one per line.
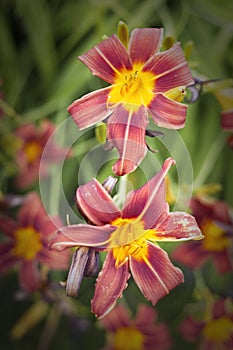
(215, 222)
(214, 331)
(33, 141)
(27, 241)
(141, 333)
(127, 235)
(143, 82)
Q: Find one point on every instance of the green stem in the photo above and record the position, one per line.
(122, 190)
(8, 110)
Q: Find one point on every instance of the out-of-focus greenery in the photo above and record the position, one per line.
(41, 76)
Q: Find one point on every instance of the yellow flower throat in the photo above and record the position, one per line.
(128, 338)
(129, 239)
(215, 238)
(219, 330)
(27, 243)
(132, 87)
(135, 88)
(32, 151)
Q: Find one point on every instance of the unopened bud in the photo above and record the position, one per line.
(123, 33)
(109, 183)
(85, 262)
(100, 132)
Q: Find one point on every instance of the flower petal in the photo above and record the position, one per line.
(31, 210)
(29, 276)
(7, 259)
(90, 109)
(191, 329)
(146, 316)
(126, 131)
(148, 203)
(190, 254)
(156, 276)
(107, 58)
(163, 62)
(7, 226)
(223, 261)
(178, 226)
(82, 235)
(168, 113)
(227, 120)
(96, 204)
(54, 259)
(171, 69)
(178, 77)
(144, 42)
(117, 318)
(109, 286)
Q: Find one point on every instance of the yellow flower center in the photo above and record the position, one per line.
(215, 239)
(128, 338)
(27, 243)
(218, 330)
(32, 151)
(133, 88)
(129, 239)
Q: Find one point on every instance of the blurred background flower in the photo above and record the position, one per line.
(141, 332)
(40, 77)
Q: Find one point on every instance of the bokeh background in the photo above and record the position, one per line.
(40, 76)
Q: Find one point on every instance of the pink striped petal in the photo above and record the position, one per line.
(107, 58)
(167, 61)
(156, 276)
(227, 120)
(82, 235)
(7, 259)
(117, 318)
(126, 131)
(178, 77)
(146, 316)
(168, 113)
(96, 204)
(110, 284)
(31, 209)
(90, 109)
(7, 226)
(190, 254)
(47, 225)
(223, 261)
(144, 43)
(191, 329)
(148, 202)
(178, 226)
(27, 131)
(56, 260)
(28, 175)
(29, 276)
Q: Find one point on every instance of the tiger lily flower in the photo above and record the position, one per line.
(143, 82)
(214, 219)
(32, 141)
(214, 330)
(25, 243)
(127, 235)
(142, 332)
